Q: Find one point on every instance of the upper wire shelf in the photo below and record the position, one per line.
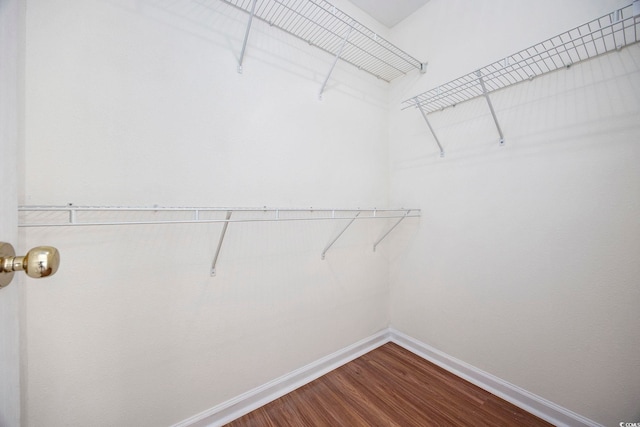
(321, 24)
(612, 31)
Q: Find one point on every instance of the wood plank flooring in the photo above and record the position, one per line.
(388, 386)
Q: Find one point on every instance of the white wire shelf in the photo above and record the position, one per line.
(70, 215)
(321, 24)
(610, 32)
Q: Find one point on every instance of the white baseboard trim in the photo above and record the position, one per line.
(243, 404)
(521, 398)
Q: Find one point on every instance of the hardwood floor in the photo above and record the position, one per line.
(388, 386)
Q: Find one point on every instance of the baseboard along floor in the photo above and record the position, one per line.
(388, 379)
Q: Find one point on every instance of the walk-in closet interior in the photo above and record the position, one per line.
(248, 194)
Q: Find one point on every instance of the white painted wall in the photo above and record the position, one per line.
(139, 103)
(525, 262)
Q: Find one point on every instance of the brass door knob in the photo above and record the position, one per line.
(41, 261)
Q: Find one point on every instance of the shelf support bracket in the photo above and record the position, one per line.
(335, 61)
(390, 230)
(493, 113)
(324, 252)
(222, 233)
(424, 116)
(246, 35)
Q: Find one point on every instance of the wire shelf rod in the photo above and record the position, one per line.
(203, 221)
(25, 208)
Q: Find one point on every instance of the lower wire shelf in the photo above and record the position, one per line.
(84, 216)
(71, 215)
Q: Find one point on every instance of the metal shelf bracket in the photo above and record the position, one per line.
(493, 113)
(246, 35)
(335, 61)
(391, 229)
(222, 233)
(424, 115)
(324, 252)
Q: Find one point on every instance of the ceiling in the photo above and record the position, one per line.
(389, 12)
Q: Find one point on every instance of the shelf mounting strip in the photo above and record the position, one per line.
(71, 215)
(610, 32)
(322, 25)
